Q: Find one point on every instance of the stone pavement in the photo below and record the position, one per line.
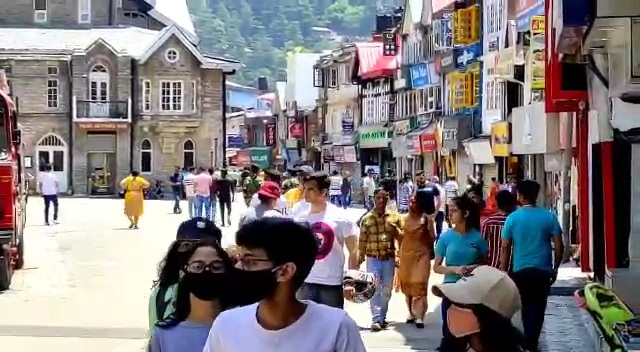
(86, 282)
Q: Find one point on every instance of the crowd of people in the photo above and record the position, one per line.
(285, 276)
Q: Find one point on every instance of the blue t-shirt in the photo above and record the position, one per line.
(459, 250)
(187, 336)
(531, 230)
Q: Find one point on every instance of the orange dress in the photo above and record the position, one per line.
(415, 256)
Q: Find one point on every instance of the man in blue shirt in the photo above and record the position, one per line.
(529, 231)
(176, 187)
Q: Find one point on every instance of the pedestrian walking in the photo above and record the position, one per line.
(202, 187)
(334, 188)
(492, 227)
(345, 191)
(407, 188)
(176, 189)
(274, 176)
(268, 196)
(529, 231)
(333, 231)
(368, 189)
(226, 196)
(134, 187)
(463, 249)
(213, 193)
(451, 190)
(190, 191)
(380, 235)
(295, 196)
(416, 252)
(440, 205)
(250, 184)
(270, 271)
(48, 187)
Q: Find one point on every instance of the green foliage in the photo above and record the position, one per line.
(260, 33)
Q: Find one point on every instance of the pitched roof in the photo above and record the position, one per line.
(174, 12)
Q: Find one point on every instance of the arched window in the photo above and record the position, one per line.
(146, 156)
(188, 154)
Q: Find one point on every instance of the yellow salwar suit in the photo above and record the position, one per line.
(134, 187)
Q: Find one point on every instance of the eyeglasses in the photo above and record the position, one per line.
(247, 263)
(199, 266)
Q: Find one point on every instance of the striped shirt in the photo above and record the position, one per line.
(406, 191)
(492, 233)
(450, 190)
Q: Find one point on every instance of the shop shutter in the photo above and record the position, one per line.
(101, 143)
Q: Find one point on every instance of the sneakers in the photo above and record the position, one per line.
(375, 327)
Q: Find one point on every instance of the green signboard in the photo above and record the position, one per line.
(374, 138)
(261, 157)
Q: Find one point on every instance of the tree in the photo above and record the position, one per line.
(209, 29)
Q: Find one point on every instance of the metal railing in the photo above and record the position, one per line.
(91, 110)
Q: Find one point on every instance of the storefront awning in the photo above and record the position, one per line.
(372, 63)
(479, 150)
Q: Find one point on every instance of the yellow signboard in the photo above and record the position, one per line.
(535, 62)
(537, 25)
(501, 139)
(466, 25)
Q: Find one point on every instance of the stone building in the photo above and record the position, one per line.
(99, 99)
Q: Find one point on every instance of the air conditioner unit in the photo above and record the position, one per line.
(40, 16)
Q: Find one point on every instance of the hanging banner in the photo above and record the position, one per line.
(348, 126)
(270, 134)
(296, 130)
(536, 55)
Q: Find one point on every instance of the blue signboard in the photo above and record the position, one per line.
(465, 56)
(423, 74)
(235, 141)
(523, 19)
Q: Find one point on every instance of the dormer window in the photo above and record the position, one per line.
(172, 56)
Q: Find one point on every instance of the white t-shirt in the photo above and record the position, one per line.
(320, 329)
(443, 197)
(299, 209)
(281, 205)
(189, 186)
(48, 183)
(370, 184)
(331, 227)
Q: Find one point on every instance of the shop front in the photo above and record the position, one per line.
(375, 155)
(454, 162)
(428, 142)
(344, 154)
(501, 150)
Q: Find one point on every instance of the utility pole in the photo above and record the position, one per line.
(566, 184)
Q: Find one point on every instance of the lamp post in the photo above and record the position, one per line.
(224, 115)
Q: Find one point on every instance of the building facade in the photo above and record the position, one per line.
(98, 102)
(241, 98)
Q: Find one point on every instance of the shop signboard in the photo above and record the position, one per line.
(525, 10)
(241, 158)
(270, 134)
(501, 138)
(347, 122)
(350, 154)
(373, 137)
(504, 63)
(467, 55)
(428, 142)
(235, 141)
(536, 57)
(338, 154)
(412, 143)
(401, 127)
(296, 130)
(450, 133)
(260, 157)
(445, 63)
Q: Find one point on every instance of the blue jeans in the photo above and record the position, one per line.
(176, 201)
(214, 201)
(191, 205)
(368, 202)
(383, 271)
(335, 200)
(203, 202)
(345, 200)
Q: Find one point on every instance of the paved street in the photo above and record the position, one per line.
(86, 282)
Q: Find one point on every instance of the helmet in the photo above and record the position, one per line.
(363, 284)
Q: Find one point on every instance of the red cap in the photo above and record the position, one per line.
(270, 189)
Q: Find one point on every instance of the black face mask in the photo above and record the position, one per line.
(206, 285)
(253, 286)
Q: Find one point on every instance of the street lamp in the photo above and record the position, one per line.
(224, 115)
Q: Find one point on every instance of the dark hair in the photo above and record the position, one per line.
(287, 242)
(493, 179)
(506, 201)
(211, 171)
(192, 169)
(264, 199)
(451, 178)
(381, 189)
(497, 333)
(528, 190)
(182, 302)
(134, 173)
(321, 179)
(465, 204)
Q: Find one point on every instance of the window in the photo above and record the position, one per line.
(146, 156)
(443, 32)
(172, 55)
(146, 95)
(318, 77)
(171, 94)
(40, 11)
(194, 96)
(346, 74)
(52, 93)
(52, 71)
(188, 154)
(333, 78)
(84, 11)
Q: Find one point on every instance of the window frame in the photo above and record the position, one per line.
(188, 151)
(172, 97)
(148, 151)
(53, 90)
(146, 95)
(334, 77)
(46, 5)
(194, 96)
(166, 55)
(88, 12)
(53, 71)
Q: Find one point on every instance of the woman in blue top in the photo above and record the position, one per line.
(200, 298)
(459, 251)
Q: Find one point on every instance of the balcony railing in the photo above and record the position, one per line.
(101, 111)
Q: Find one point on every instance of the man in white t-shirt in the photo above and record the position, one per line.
(442, 205)
(368, 189)
(281, 204)
(333, 230)
(48, 187)
(190, 191)
(269, 271)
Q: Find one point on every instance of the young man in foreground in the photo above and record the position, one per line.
(271, 269)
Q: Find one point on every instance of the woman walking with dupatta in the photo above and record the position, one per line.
(134, 187)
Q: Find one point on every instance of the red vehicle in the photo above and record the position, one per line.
(13, 187)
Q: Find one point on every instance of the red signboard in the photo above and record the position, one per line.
(242, 158)
(556, 99)
(296, 129)
(270, 134)
(428, 143)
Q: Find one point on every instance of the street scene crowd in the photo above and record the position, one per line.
(285, 276)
